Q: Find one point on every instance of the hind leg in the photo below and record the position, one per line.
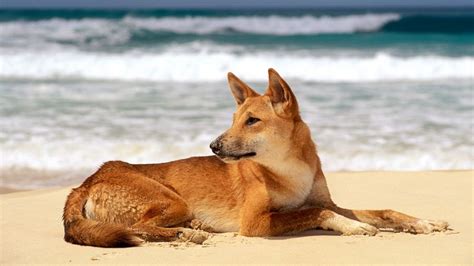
(151, 229)
(127, 196)
(397, 221)
(153, 233)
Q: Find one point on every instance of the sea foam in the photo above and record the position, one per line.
(51, 163)
(212, 66)
(58, 133)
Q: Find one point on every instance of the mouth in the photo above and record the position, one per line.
(235, 157)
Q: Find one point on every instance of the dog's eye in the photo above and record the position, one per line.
(251, 120)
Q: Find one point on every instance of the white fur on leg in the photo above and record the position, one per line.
(89, 209)
(348, 226)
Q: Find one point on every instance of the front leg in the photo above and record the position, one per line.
(280, 223)
(394, 220)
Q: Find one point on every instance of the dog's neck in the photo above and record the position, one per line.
(290, 174)
(297, 159)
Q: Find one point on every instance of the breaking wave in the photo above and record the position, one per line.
(204, 66)
(62, 28)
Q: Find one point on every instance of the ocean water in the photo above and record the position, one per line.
(381, 89)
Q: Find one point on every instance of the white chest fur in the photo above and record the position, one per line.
(296, 186)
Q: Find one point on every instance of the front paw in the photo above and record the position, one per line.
(358, 228)
(426, 227)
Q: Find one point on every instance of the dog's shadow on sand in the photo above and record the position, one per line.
(309, 233)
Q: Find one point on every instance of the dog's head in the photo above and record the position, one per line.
(263, 125)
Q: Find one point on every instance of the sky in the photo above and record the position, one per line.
(227, 4)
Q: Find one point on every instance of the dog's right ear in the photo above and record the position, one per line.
(239, 89)
(281, 95)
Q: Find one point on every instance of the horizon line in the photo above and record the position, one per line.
(236, 8)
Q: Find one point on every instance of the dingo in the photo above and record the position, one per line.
(265, 180)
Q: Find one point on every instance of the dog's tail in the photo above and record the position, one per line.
(80, 230)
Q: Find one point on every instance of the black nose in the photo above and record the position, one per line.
(216, 146)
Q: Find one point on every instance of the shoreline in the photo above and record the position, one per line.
(7, 190)
(32, 230)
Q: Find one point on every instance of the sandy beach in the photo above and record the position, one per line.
(31, 229)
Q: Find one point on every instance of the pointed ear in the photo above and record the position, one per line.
(283, 99)
(240, 90)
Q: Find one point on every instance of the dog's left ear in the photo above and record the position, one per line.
(283, 99)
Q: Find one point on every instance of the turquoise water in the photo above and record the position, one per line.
(381, 89)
